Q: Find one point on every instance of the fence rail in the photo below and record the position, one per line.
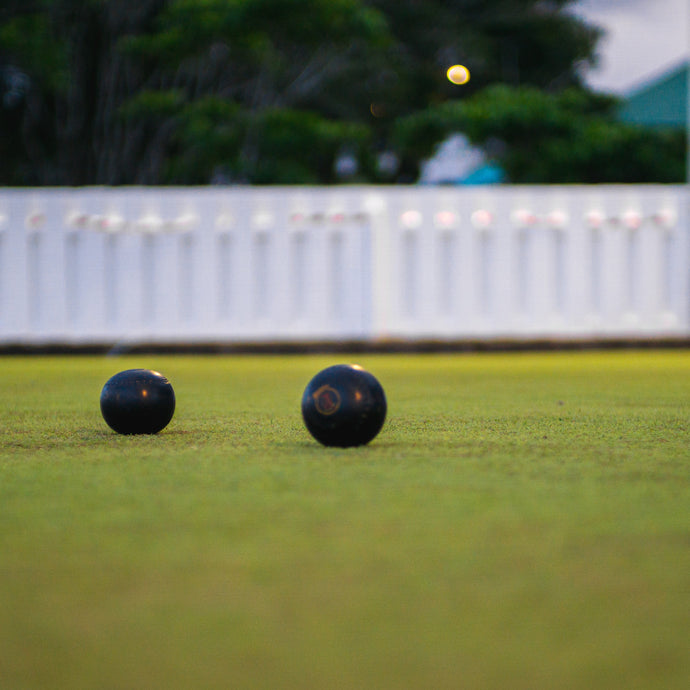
(189, 265)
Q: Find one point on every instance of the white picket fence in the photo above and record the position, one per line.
(291, 264)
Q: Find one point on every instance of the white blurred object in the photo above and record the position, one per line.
(455, 159)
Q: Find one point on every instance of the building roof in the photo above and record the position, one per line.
(659, 102)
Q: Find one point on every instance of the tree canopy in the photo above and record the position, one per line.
(573, 132)
(275, 91)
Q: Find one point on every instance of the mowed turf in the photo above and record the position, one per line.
(521, 521)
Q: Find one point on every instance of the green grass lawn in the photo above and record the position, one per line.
(522, 521)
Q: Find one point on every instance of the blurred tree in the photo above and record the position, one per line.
(534, 42)
(68, 128)
(267, 91)
(237, 64)
(575, 133)
(111, 85)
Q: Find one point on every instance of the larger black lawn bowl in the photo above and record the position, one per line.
(344, 406)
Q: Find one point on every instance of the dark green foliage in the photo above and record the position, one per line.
(270, 91)
(541, 137)
(275, 145)
(509, 41)
(140, 74)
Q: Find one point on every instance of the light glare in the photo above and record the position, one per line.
(458, 74)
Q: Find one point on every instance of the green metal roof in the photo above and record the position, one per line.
(661, 102)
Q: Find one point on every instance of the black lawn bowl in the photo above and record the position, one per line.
(137, 401)
(344, 406)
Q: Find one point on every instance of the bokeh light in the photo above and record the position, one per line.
(458, 74)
